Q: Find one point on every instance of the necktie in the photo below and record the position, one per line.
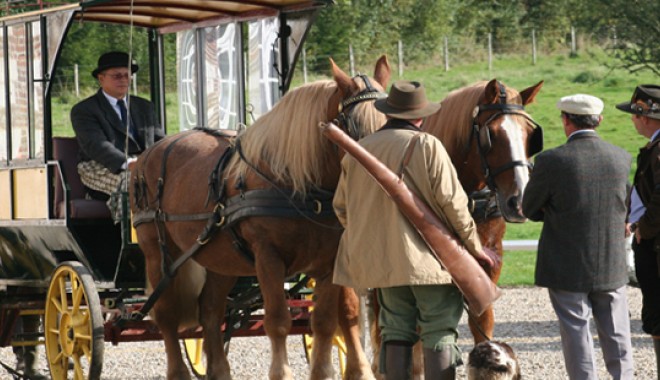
(124, 118)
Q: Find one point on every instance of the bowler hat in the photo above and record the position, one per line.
(406, 100)
(645, 101)
(113, 59)
(580, 104)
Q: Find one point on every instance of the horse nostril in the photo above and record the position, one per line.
(513, 203)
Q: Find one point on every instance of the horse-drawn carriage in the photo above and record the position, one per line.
(256, 204)
(61, 256)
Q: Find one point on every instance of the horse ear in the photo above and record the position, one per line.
(529, 94)
(382, 72)
(492, 92)
(344, 82)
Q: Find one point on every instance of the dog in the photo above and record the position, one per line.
(493, 360)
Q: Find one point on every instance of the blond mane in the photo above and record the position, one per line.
(287, 142)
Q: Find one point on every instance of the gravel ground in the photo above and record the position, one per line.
(524, 319)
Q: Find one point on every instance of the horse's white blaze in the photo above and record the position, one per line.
(514, 131)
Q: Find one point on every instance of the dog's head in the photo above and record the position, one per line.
(493, 360)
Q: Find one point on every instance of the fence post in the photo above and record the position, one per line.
(573, 44)
(351, 60)
(304, 62)
(400, 48)
(134, 83)
(533, 46)
(75, 80)
(446, 54)
(490, 51)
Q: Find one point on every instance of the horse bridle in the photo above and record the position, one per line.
(346, 106)
(482, 135)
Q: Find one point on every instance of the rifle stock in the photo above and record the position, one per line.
(470, 278)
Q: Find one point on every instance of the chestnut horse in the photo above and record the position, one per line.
(490, 138)
(180, 194)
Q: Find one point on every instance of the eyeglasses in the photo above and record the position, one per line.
(124, 76)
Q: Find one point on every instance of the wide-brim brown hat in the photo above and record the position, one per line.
(406, 100)
(645, 101)
(113, 59)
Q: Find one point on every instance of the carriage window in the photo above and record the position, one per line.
(222, 76)
(263, 78)
(18, 92)
(3, 104)
(37, 138)
(56, 25)
(187, 79)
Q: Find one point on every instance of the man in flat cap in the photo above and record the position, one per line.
(579, 191)
(381, 249)
(645, 207)
(108, 133)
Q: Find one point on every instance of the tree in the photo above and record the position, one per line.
(637, 26)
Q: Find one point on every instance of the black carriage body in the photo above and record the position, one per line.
(44, 218)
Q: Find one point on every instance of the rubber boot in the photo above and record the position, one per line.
(398, 361)
(656, 347)
(438, 365)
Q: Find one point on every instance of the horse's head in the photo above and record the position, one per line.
(352, 105)
(505, 137)
(490, 138)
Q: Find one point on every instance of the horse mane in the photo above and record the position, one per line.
(452, 124)
(287, 143)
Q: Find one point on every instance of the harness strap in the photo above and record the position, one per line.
(168, 275)
(146, 216)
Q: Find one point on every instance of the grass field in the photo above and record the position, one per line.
(586, 73)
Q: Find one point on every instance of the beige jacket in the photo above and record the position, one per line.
(379, 247)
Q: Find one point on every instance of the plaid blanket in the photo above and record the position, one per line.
(97, 177)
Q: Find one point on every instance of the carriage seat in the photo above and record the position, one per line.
(65, 150)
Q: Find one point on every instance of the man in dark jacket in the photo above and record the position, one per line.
(111, 127)
(579, 191)
(645, 207)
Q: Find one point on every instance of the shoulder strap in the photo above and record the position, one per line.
(408, 154)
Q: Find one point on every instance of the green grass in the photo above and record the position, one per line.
(589, 72)
(518, 268)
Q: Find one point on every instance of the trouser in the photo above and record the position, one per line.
(646, 269)
(427, 312)
(98, 178)
(610, 312)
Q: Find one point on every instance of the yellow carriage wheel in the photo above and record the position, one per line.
(196, 357)
(73, 324)
(337, 341)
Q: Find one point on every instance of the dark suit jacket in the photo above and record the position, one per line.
(102, 136)
(579, 191)
(647, 181)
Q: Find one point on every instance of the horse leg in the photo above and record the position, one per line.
(277, 319)
(491, 232)
(180, 298)
(213, 302)
(357, 365)
(324, 327)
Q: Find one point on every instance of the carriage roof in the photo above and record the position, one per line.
(168, 15)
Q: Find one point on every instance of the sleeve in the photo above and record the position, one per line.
(537, 191)
(649, 223)
(93, 142)
(450, 196)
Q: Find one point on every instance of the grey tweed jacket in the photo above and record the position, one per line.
(579, 191)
